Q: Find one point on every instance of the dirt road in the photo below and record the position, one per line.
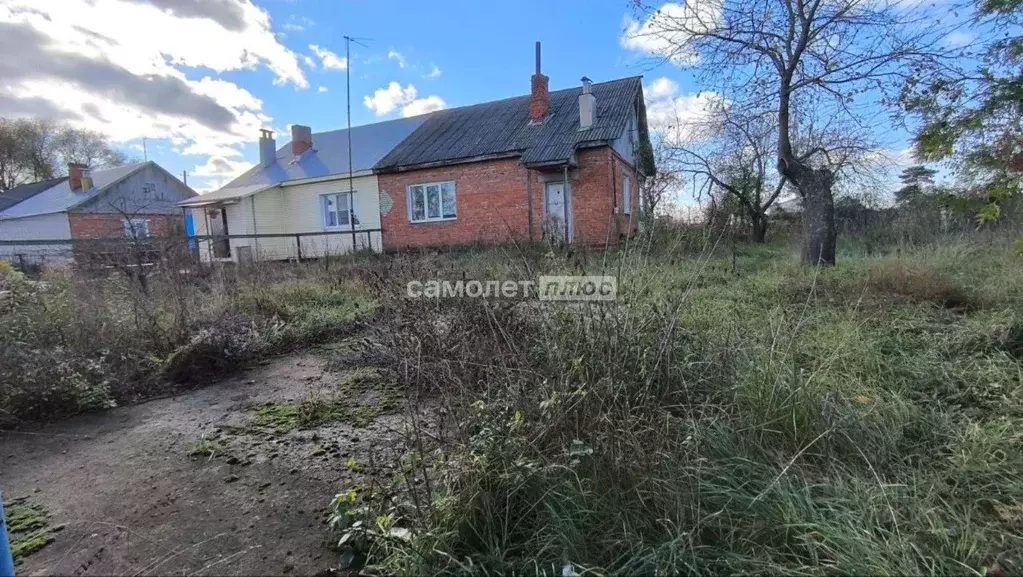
(125, 497)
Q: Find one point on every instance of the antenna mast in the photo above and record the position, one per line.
(348, 105)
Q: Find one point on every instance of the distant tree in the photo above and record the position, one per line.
(33, 149)
(972, 114)
(86, 147)
(665, 181)
(916, 180)
(735, 153)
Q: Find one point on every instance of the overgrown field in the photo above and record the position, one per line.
(73, 342)
(731, 411)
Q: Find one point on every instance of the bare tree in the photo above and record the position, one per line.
(734, 152)
(770, 55)
(33, 149)
(86, 147)
(665, 182)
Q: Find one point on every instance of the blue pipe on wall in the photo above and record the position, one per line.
(6, 560)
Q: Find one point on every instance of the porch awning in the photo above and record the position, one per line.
(228, 195)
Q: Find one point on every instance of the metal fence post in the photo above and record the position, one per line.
(298, 245)
(6, 559)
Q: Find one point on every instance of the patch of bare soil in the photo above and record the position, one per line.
(127, 497)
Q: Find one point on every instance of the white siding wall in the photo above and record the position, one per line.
(302, 214)
(42, 227)
(296, 209)
(268, 208)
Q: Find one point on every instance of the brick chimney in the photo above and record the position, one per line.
(301, 139)
(539, 100)
(74, 173)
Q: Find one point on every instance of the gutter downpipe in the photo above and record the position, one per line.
(255, 230)
(529, 201)
(569, 225)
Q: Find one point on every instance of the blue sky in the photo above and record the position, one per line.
(198, 78)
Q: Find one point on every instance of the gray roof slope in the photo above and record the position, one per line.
(22, 192)
(502, 127)
(60, 197)
(329, 155)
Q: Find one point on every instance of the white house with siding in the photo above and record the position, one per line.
(304, 192)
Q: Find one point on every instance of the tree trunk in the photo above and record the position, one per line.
(814, 185)
(819, 218)
(758, 232)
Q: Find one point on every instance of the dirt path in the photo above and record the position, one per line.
(132, 501)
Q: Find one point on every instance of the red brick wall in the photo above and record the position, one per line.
(111, 225)
(492, 205)
(627, 223)
(490, 201)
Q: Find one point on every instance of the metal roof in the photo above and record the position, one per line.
(329, 155)
(60, 197)
(22, 192)
(225, 194)
(502, 127)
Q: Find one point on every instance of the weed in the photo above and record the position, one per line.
(207, 446)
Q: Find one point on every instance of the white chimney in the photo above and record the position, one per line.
(587, 106)
(267, 148)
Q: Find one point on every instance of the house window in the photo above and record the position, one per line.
(431, 202)
(626, 195)
(136, 228)
(338, 210)
(148, 189)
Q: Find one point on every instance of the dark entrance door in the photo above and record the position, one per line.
(218, 227)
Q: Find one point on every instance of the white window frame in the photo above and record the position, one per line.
(132, 227)
(626, 194)
(426, 218)
(352, 213)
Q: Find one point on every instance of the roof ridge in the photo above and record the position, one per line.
(551, 92)
(638, 76)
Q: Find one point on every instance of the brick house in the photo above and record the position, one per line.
(131, 201)
(562, 166)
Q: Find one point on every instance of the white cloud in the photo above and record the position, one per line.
(329, 60)
(434, 71)
(90, 63)
(309, 61)
(423, 105)
(395, 55)
(220, 167)
(217, 172)
(298, 23)
(386, 100)
(960, 39)
(322, 89)
(662, 33)
(669, 111)
(661, 88)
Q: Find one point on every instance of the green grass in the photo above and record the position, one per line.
(28, 526)
(361, 396)
(207, 446)
(725, 415)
